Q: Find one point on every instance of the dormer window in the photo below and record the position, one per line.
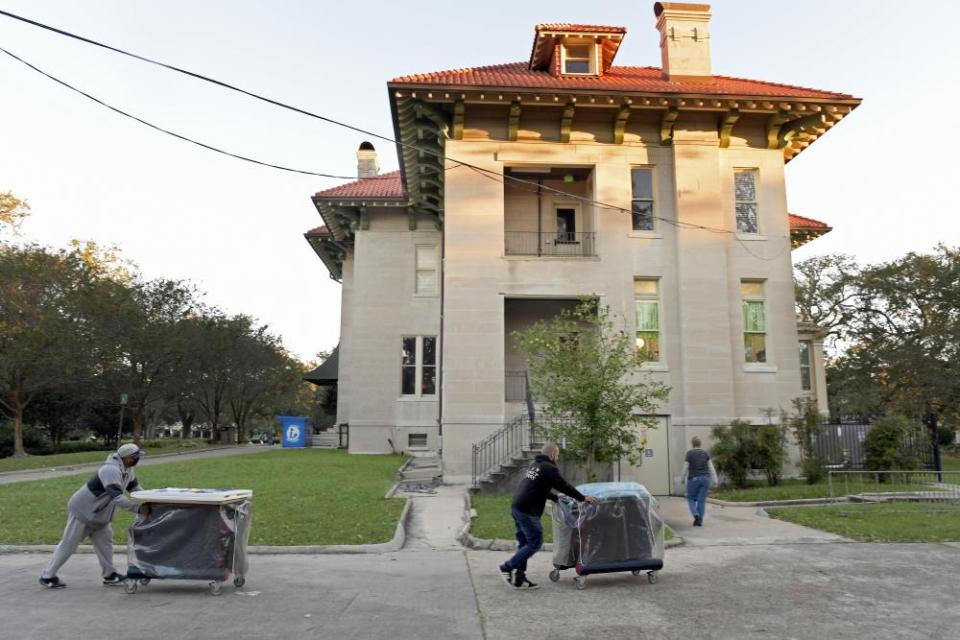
(579, 58)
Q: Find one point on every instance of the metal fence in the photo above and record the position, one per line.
(500, 447)
(840, 443)
(925, 487)
(551, 243)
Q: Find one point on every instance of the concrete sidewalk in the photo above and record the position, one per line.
(47, 473)
(737, 526)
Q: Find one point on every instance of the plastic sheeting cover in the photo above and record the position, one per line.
(623, 527)
(191, 541)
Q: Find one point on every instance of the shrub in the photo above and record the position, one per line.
(34, 442)
(814, 469)
(888, 445)
(945, 436)
(733, 451)
(770, 452)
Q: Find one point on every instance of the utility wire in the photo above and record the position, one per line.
(492, 174)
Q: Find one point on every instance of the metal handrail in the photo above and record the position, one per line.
(550, 243)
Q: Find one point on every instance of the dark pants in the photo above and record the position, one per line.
(529, 540)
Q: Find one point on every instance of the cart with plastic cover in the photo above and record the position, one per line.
(189, 534)
(622, 531)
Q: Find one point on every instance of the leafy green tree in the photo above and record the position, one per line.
(13, 211)
(806, 424)
(826, 292)
(588, 373)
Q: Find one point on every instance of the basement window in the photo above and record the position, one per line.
(416, 440)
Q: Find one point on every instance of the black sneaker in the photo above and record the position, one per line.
(524, 584)
(114, 579)
(52, 583)
(506, 574)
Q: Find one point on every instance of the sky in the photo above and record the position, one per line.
(236, 230)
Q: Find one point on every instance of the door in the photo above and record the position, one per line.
(566, 225)
(653, 471)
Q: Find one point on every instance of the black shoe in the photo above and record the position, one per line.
(698, 521)
(523, 583)
(52, 583)
(114, 579)
(506, 574)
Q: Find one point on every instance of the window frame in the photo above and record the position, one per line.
(654, 227)
(753, 298)
(756, 202)
(591, 58)
(577, 222)
(808, 365)
(417, 269)
(419, 366)
(658, 299)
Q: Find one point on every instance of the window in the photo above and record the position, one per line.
(418, 366)
(806, 383)
(642, 207)
(566, 225)
(646, 293)
(754, 322)
(416, 439)
(577, 58)
(745, 195)
(427, 263)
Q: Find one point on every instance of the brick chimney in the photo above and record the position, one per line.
(684, 39)
(367, 165)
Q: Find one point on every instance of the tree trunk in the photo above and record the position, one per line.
(137, 425)
(18, 407)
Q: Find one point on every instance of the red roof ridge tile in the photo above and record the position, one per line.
(322, 230)
(569, 26)
(385, 185)
(797, 221)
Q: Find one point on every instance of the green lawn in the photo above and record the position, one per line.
(794, 489)
(67, 459)
(304, 496)
(493, 519)
(950, 462)
(893, 522)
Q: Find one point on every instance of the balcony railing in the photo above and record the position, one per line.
(552, 243)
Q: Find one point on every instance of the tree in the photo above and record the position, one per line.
(825, 290)
(588, 374)
(13, 211)
(266, 380)
(40, 325)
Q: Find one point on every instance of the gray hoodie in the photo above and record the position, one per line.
(95, 502)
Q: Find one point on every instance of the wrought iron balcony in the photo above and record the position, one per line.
(552, 243)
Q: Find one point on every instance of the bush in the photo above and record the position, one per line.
(807, 425)
(945, 436)
(34, 442)
(770, 452)
(814, 469)
(888, 445)
(742, 447)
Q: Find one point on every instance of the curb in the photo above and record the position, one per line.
(395, 544)
(87, 465)
(486, 544)
(798, 502)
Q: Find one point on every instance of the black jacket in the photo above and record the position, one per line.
(536, 487)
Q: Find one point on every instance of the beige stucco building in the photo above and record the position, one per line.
(526, 185)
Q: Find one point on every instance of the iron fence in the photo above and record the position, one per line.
(550, 243)
(491, 453)
(840, 443)
(925, 487)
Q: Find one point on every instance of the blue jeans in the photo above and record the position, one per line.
(529, 540)
(697, 488)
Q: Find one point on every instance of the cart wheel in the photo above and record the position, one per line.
(554, 575)
(144, 581)
(239, 581)
(581, 582)
(652, 577)
(215, 588)
(635, 572)
(130, 586)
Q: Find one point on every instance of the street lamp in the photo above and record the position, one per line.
(123, 403)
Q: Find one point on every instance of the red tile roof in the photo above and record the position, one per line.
(318, 231)
(579, 28)
(638, 79)
(799, 222)
(385, 186)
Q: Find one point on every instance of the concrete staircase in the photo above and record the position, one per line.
(505, 478)
(421, 468)
(325, 440)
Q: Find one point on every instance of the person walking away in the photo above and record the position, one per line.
(90, 511)
(535, 488)
(698, 474)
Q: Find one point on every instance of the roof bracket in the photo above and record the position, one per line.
(566, 122)
(667, 121)
(620, 124)
(513, 122)
(774, 122)
(726, 126)
(789, 130)
(458, 111)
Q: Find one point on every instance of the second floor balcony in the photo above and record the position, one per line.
(550, 243)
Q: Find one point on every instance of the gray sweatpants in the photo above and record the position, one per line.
(73, 534)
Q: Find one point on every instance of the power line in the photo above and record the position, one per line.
(493, 174)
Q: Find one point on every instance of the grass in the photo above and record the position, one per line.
(794, 489)
(892, 522)
(301, 496)
(494, 521)
(950, 462)
(67, 459)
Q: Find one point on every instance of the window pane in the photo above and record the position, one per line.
(648, 316)
(648, 343)
(409, 351)
(751, 289)
(577, 66)
(755, 347)
(426, 281)
(429, 384)
(642, 215)
(642, 181)
(804, 353)
(805, 379)
(578, 51)
(745, 185)
(747, 217)
(429, 350)
(753, 316)
(645, 286)
(408, 386)
(426, 257)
